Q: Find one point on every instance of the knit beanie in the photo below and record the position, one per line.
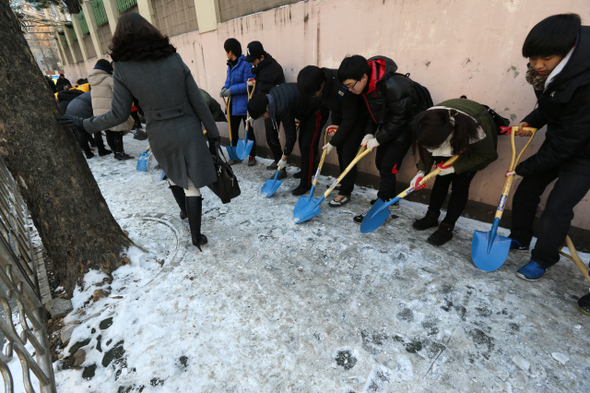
(104, 65)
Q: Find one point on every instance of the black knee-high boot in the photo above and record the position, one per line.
(194, 208)
(178, 193)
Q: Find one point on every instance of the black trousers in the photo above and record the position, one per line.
(346, 153)
(85, 138)
(115, 140)
(388, 161)
(459, 194)
(310, 130)
(272, 139)
(556, 219)
(235, 134)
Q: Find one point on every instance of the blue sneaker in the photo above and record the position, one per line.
(532, 271)
(516, 245)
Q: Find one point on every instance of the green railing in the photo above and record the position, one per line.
(124, 5)
(83, 23)
(100, 14)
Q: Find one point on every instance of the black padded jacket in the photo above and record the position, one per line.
(268, 74)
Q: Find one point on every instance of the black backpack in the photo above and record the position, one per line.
(421, 99)
(500, 121)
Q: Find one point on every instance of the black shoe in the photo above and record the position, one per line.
(104, 152)
(273, 166)
(584, 304)
(359, 218)
(297, 175)
(194, 208)
(89, 155)
(122, 156)
(140, 135)
(300, 190)
(180, 198)
(430, 220)
(282, 174)
(443, 234)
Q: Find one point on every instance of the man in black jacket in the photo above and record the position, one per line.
(268, 74)
(559, 71)
(388, 96)
(284, 103)
(81, 106)
(348, 114)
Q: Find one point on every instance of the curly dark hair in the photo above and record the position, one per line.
(137, 39)
(432, 127)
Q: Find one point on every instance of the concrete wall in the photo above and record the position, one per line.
(454, 48)
(231, 9)
(175, 17)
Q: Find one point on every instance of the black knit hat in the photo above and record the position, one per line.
(104, 64)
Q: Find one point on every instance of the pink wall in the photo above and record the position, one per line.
(454, 48)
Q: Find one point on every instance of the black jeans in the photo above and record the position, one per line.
(459, 194)
(235, 135)
(346, 153)
(556, 219)
(388, 161)
(115, 140)
(272, 139)
(310, 130)
(84, 138)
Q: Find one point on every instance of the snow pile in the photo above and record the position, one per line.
(271, 306)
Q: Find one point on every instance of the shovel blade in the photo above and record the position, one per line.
(231, 152)
(376, 216)
(489, 250)
(271, 186)
(306, 208)
(244, 148)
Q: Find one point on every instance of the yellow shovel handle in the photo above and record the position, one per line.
(227, 102)
(363, 151)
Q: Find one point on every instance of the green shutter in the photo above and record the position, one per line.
(83, 23)
(124, 5)
(99, 12)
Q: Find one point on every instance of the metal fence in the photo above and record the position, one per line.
(124, 5)
(20, 295)
(100, 14)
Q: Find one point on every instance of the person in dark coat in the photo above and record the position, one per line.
(148, 67)
(347, 113)
(284, 103)
(558, 50)
(238, 73)
(65, 96)
(61, 82)
(453, 127)
(51, 84)
(81, 106)
(388, 96)
(268, 74)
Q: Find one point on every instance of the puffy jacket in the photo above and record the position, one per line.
(102, 95)
(64, 97)
(213, 106)
(291, 105)
(483, 152)
(237, 76)
(564, 106)
(345, 107)
(388, 96)
(81, 106)
(268, 73)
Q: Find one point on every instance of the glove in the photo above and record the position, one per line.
(251, 82)
(510, 173)
(282, 164)
(366, 139)
(445, 170)
(372, 144)
(72, 121)
(225, 92)
(329, 147)
(416, 180)
(331, 130)
(250, 121)
(213, 145)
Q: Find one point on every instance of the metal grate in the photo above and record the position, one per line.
(83, 23)
(124, 5)
(19, 293)
(100, 14)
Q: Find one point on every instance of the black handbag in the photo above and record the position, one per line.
(226, 187)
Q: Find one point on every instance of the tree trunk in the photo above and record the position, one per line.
(71, 215)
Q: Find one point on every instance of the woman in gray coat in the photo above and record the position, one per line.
(148, 67)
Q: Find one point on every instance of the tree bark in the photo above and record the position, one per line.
(71, 215)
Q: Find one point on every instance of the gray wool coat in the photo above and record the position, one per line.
(175, 112)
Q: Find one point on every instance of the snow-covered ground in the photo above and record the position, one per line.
(273, 306)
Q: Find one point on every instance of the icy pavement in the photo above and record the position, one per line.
(271, 306)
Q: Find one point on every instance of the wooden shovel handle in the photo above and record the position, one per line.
(363, 151)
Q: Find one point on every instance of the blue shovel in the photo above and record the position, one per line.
(488, 249)
(303, 199)
(271, 185)
(244, 146)
(309, 207)
(231, 150)
(380, 210)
